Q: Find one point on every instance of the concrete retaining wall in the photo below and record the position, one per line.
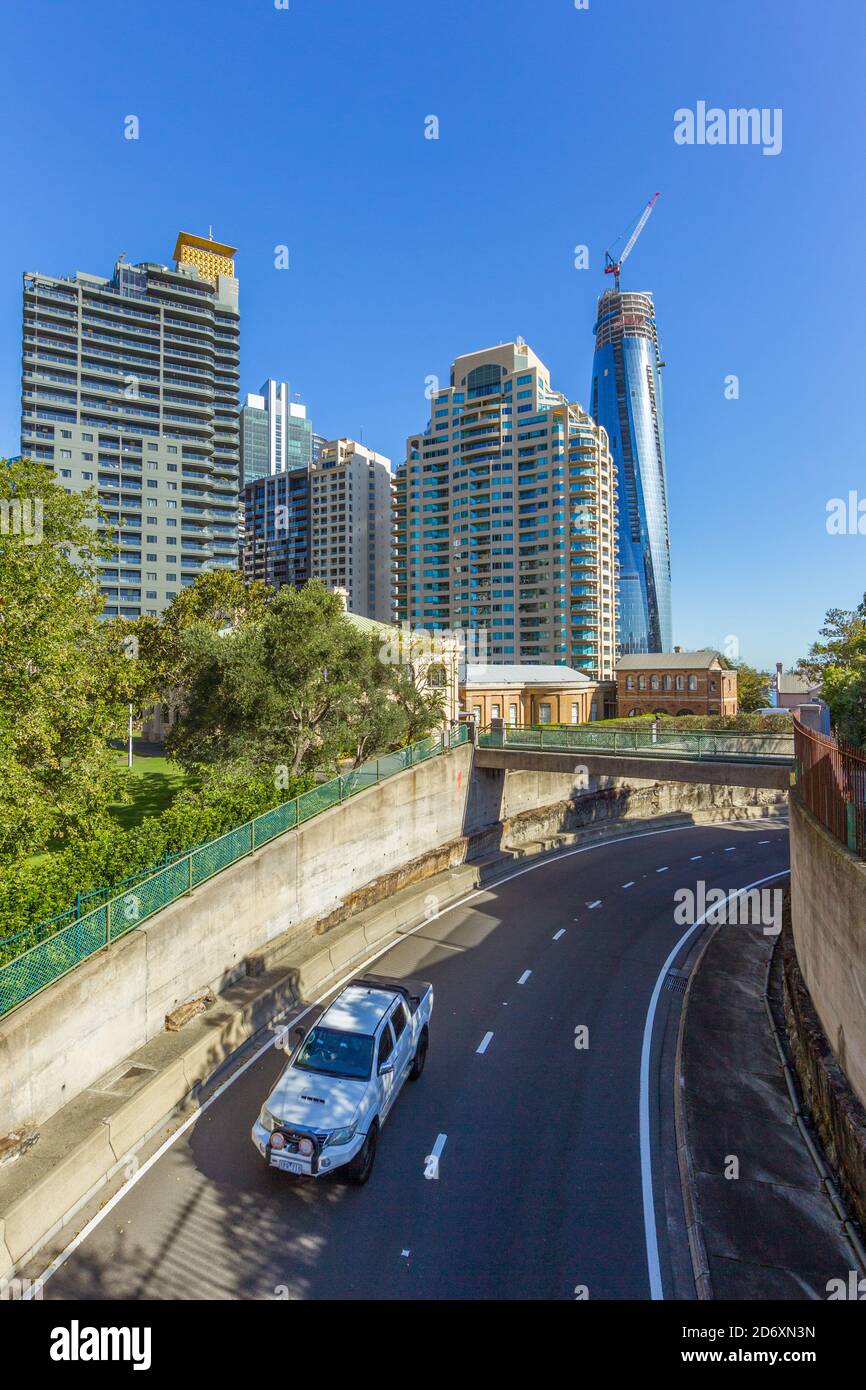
(828, 917)
(61, 1041)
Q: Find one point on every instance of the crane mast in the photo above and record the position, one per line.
(613, 266)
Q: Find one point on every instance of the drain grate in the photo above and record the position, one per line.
(676, 981)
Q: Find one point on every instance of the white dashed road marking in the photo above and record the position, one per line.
(630, 884)
(693, 857)
(597, 903)
(524, 977)
(484, 1043)
(730, 849)
(662, 870)
(560, 933)
(431, 1162)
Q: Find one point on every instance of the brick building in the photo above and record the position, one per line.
(675, 682)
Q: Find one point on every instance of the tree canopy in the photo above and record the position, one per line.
(61, 672)
(837, 662)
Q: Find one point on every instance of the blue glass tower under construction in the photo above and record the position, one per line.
(626, 398)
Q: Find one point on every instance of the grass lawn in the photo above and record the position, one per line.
(153, 783)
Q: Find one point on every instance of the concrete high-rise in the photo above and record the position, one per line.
(626, 399)
(350, 526)
(130, 386)
(275, 433)
(505, 517)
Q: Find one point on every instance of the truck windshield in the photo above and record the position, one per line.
(337, 1054)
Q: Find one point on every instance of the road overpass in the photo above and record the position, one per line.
(716, 759)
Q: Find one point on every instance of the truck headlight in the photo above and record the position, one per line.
(267, 1120)
(342, 1136)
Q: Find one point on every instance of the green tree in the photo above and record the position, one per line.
(218, 600)
(837, 663)
(753, 687)
(60, 670)
(291, 690)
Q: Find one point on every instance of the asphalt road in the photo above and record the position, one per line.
(539, 1186)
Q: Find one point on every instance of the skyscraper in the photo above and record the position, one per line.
(275, 433)
(276, 535)
(626, 399)
(505, 516)
(350, 526)
(130, 386)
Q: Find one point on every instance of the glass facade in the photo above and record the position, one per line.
(627, 400)
(276, 545)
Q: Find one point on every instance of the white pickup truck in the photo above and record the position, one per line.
(327, 1108)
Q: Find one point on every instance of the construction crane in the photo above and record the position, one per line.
(613, 267)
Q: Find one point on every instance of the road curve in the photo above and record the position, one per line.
(538, 1191)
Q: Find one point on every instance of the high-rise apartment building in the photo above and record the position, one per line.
(130, 386)
(276, 535)
(350, 526)
(626, 399)
(275, 433)
(505, 517)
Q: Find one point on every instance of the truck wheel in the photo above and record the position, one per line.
(361, 1166)
(420, 1055)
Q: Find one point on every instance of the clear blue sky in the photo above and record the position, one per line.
(305, 127)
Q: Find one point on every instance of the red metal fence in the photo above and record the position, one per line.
(831, 780)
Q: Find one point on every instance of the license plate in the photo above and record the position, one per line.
(287, 1165)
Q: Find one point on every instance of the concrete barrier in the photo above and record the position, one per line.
(828, 919)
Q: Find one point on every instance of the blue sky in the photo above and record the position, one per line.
(305, 127)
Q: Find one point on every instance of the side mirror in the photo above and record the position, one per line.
(386, 1069)
(298, 1035)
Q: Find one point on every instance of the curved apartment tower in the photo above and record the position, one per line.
(627, 400)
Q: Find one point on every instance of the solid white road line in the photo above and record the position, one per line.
(37, 1285)
(484, 1043)
(649, 1214)
(560, 933)
(524, 977)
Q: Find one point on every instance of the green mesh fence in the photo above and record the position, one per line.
(26, 968)
(776, 747)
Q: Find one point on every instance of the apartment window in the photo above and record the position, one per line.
(66, 434)
(641, 682)
(574, 714)
(495, 711)
(512, 714)
(66, 473)
(681, 684)
(629, 682)
(88, 477)
(693, 682)
(654, 682)
(544, 713)
(66, 454)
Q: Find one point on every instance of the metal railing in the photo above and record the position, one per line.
(23, 972)
(674, 743)
(831, 781)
